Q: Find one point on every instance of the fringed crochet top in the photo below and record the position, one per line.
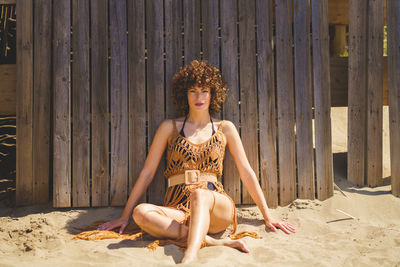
(184, 155)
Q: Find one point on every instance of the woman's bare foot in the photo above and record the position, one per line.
(189, 257)
(238, 244)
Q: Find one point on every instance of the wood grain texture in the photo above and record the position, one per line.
(8, 89)
(155, 90)
(119, 103)
(192, 41)
(303, 89)
(230, 72)
(24, 157)
(41, 104)
(357, 92)
(137, 91)
(374, 94)
(285, 98)
(99, 108)
(248, 87)
(266, 106)
(394, 91)
(210, 39)
(61, 104)
(173, 50)
(322, 100)
(80, 105)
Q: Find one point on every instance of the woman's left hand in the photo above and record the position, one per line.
(284, 226)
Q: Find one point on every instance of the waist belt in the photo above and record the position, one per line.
(192, 177)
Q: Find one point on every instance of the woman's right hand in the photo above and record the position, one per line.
(121, 223)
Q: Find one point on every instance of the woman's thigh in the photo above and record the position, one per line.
(172, 213)
(222, 213)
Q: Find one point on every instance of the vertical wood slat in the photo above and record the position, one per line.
(229, 69)
(303, 89)
(248, 87)
(210, 31)
(375, 92)
(41, 103)
(80, 105)
(137, 91)
(357, 91)
(119, 103)
(393, 16)
(61, 104)
(192, 41)
(155, 89)
(24, 156)
(173, 49)
(210, 40)
(266, 96)
(99, 99)
(285, 98)
(322, 99)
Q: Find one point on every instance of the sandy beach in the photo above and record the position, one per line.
(358, 226)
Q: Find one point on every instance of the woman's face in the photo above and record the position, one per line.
(199, 98)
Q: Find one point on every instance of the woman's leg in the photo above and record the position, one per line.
(160, 222)
(210, 212)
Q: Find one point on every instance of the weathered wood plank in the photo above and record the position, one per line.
(61, 104)
(322, 99)
(394, 91)
(266, 96)
(210, 40)
(248, 87)
(192, 41)
(303, 89)
(41, 103)
(374, 94)
(155, 89)
(357, 91)
(137, 91)
(285, 98)
(230, 71)
(173, 49)
(8, 90)
(100, 111)
(24, 158)
(80, 105)
(210, 31)
(119, 103)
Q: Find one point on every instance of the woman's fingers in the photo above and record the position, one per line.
(286, 227)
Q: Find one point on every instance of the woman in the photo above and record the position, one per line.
(195, 203)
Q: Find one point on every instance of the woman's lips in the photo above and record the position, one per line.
(199, 104)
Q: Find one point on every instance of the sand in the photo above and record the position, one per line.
(41, 236)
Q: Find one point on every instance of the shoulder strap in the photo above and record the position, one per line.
(212, 124)
(183, 125)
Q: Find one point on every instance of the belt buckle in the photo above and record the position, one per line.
(192, 176)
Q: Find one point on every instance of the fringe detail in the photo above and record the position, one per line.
(243, 234)
(98, 235)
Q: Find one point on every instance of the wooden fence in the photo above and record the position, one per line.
(111, 66)
(366, 72)
(93, 86)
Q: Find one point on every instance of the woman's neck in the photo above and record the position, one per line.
(198, 118)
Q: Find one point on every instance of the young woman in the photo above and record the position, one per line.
(195, 203)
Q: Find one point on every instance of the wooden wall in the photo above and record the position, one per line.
(108, 96)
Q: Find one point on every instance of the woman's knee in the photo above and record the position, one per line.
(140, 211)
(201, 196)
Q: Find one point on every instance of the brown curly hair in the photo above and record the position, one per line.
(202, 74)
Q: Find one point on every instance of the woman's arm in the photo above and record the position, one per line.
(249, 178)
(146, 176)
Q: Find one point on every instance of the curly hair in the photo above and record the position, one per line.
(202, 74)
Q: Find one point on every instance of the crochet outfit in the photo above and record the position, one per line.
(184, 155)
